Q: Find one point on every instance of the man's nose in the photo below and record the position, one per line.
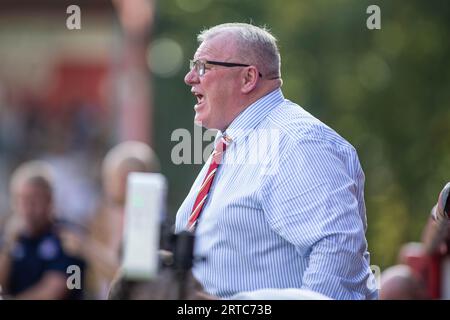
(191, 78)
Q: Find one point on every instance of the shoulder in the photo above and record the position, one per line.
(296, 126)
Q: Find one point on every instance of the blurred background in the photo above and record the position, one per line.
(67, 96)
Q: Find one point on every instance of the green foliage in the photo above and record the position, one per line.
(387, 91)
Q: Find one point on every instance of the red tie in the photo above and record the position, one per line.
(207, 182)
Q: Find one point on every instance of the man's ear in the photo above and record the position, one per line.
(250, 79)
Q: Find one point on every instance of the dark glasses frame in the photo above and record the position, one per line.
(200, 65)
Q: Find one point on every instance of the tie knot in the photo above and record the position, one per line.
(220, 148)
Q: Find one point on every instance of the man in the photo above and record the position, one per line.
(32, 262)
(295, 218)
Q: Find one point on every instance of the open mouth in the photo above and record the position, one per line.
(199, 97)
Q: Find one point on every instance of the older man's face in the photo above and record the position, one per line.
(216, 90)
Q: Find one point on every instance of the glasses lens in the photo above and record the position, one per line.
(198, 66)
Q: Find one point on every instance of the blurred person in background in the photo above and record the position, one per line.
(102, 247)
(436, 234)
(33, 264)
(423, 271)
(400, 282)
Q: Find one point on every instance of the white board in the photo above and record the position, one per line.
(144, 211)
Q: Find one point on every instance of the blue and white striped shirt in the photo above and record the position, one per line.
(286, 209)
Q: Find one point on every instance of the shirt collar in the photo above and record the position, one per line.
(251, 116)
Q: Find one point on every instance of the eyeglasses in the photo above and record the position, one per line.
(200, 65)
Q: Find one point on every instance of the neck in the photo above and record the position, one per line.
(37, 232)
(252, 97)
(260, 92)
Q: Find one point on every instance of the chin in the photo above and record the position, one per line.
(200, 122)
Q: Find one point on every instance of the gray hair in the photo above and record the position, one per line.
(255, 46)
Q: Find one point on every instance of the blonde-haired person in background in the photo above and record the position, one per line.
(102, 247)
